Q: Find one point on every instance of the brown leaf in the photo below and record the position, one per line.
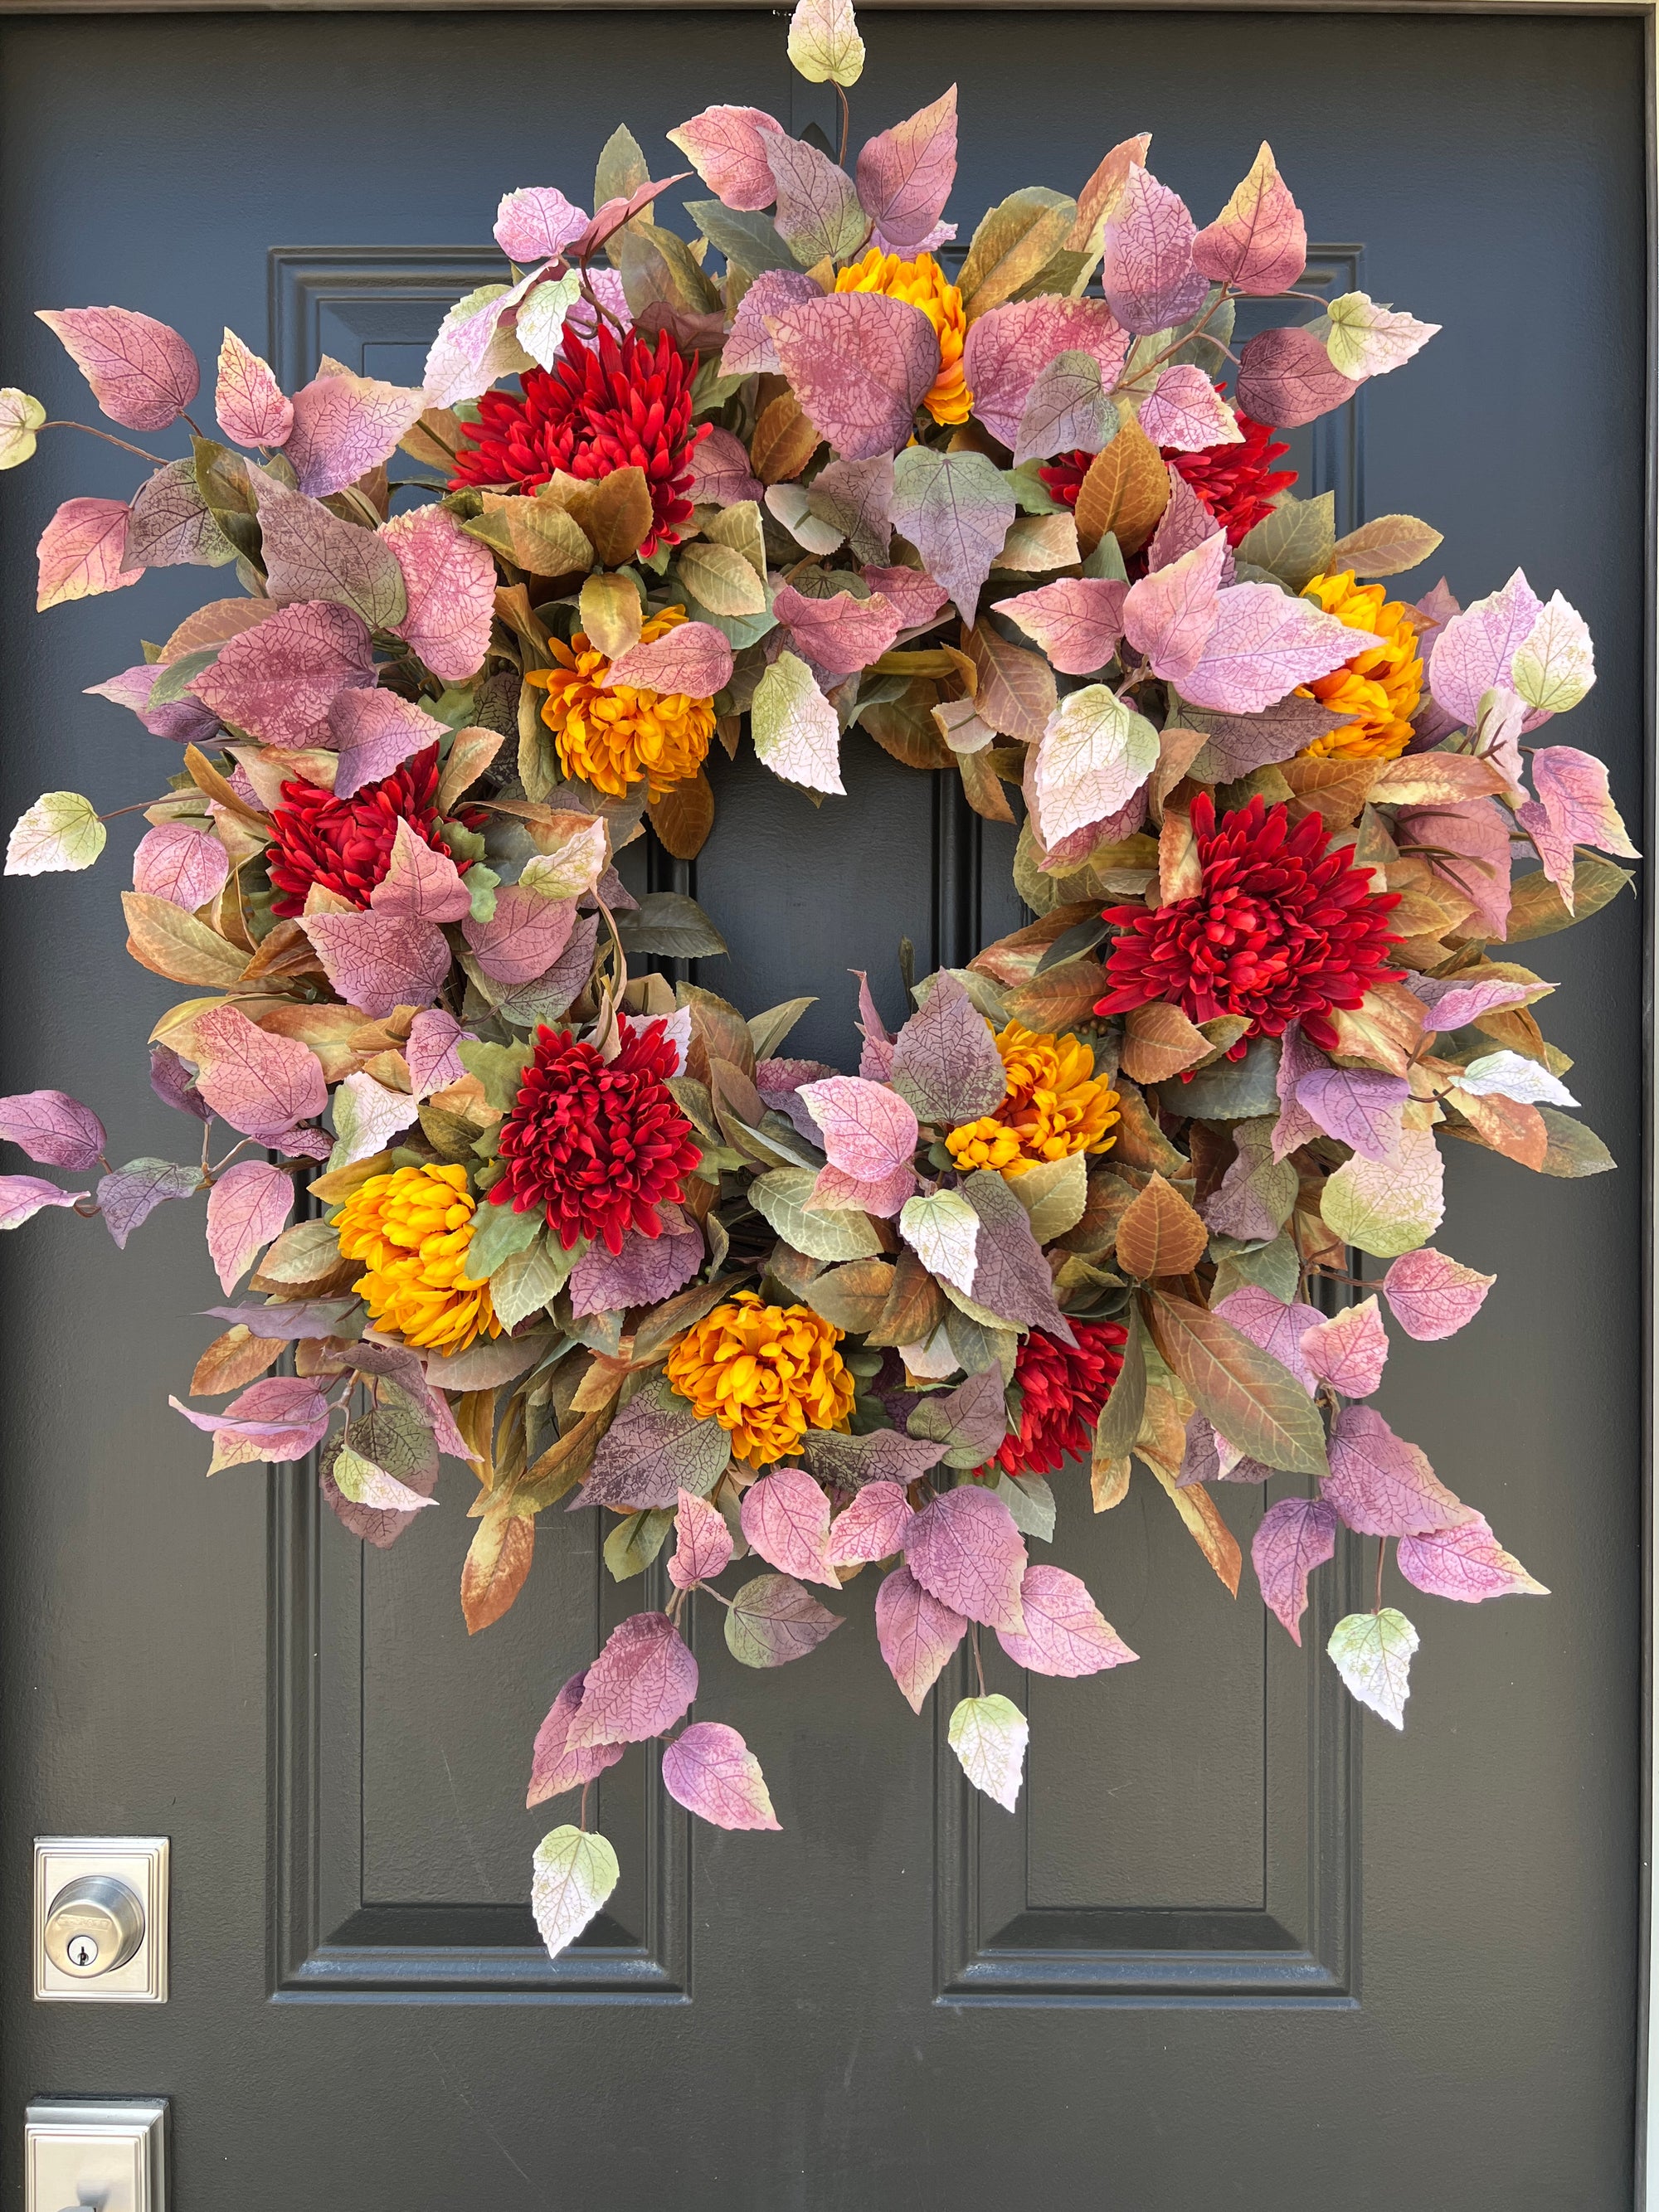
(538, 535)
(1109, 1481)
(1205, 1527)
(1537, 908)
(1013, 959)
(1060, 998)
(1336, 790)
(1104, 190)
(169, 942)
(1177, 751)
(1180, 871)
(983, 787)
(1159, 1041)
(475, 1417)
(497, 1564)
(215, 624)
(1160, 1234)
(904, 727)
(785, 439)
(684, 815)
(1015, 689)
(563, 1464)
(1126, 490)
(435, 439)
(718, 1031)
(613, 514)
(663, 1326)
(1109, 1197)
(470, 755)
(915, 1304)
(854, 1297)
(1383, 1031)
(1256, 1403)
(1503, 1125)
(207, 778)
(1014, 243)
(231, 1360)
(1434, 780)
(284, 950)
(1140, 1143)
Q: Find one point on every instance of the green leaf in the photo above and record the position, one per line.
(499, 1067)
(826, 1233)
(60, 831)
(749, 242)
(573, 1874)
(528, 1281)
(1120, 1417)
(671, 926)
(1536, 907)
(498, 1232)
(658, 269)
(1573, 1149)
(719, 579)
(1294, 543)
(1256, 1404)
(989, 1735)
(1232, 1090)
(1054, 1194)
(634, 1542)
(773, 1619)
(1030, 1504)
(1271, 1267)
(1372, 1652)
(1388, 1207)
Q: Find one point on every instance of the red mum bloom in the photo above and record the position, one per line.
(1236, 482)
(345, 844)
(1061, 1393)
(598, 1143)
(1283, 930)
(603, 407)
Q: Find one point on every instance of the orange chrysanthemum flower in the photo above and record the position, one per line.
(1055, 1106)
(1379, 689)
(766, 1373)
(413, 1228)
(924, 284)
(614, 739)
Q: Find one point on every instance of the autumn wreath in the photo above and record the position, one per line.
(597, 1237)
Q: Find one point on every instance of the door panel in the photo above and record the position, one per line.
(1198, 1965)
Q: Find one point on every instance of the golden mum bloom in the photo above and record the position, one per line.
(1055, 1106)
(1379, 689)
(767, 1373)
(412, 1229)
(925, 285)
(612, 740)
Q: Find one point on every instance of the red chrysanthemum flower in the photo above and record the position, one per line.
(598, 1145)
(1061, 1390)
(1283, 930)
(1237, 484)
(603, 407)
(345, 844)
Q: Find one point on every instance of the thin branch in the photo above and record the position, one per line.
(155, 458)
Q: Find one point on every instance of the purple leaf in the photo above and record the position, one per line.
(646, 1270)
(786, 1519)
(818, 214)
(174, 1083)
(1349, 1351)
(883, 1456)
(1065, 1632)
(840, 634)
(310, 554)
(1146, 269)
(376, 731)
(1277, 1328)
(711, 1771)
(449, 580)
(871, 1527)
(248, 400)
(1259, 242)
(52, 1127)
(916, 1633)
(918, 597)
(1475, 831)
(281, 1418)
(184, 866)
(23, 1196)
(344, 426)
(1185, 522)
(294, 1321)
(692, 659)
(1453, 1004)
(966, 1552)
(657, 1446)
(523, 938)
(555, 1764)
(869, 1131)
(420, 881)
(1010, 1275)
(1466, 1563)
(1285, 377)
(1169, 614)
(247, 1207)
(142, 373)
(640, 1684)
(83, 552)
(1068, 409)
(380, 961)
(1076, 621)
(259, 1083)
(535, 222)
(974, 1417)
(170, 524)
(1184, 412)
(1473, 652)
(1295, 1536)
(186, 721)
(859, 363)
(945, 1061)
(1358, 1106)
(1572, 788)
(749, 350)
(1381, 1485)
(773, 1619)
(1432, 1297)
(1298, 1056)
(1008, 348)
(721, 472)
(1200, 1457)
(1263, 645)
(278, 680)
(905, 174)
(724, 146)
(702, 1543)
(434, 1062)
(1237, 744)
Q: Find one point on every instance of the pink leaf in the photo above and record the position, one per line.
(434, 1062)
(344, 426)
(711, 1771)
(535, 222)
(780, 1082)
(555, 1764)
(872, 1527)
(869, 1131)
(1184, 523)
(1009, 348)
(183, 866)
(912, 590)
(841, 634)
(1473, 653)
(905, 174)
(1295, 1536)
(247, 1207)
(523, 938)
(1259, 242)
(278, 681)
(692, 660)
(859, 363)
(142, 373)
(279, 1419)
(1298, 1057)
(1146, 269)
(1263, 645)
(450, 580)
(1381, 1485)
(1065, 1632)
(966, 1552)
(51, 1127)
(259, 1083)
(1349, 1351)
(248, 399)
(955, 508)
(640, 1684)
(916, 1633)
(471, 350)
(1358, 1106)
(786, 1518)
(1278, 1329)
(1076, 621)
(1169, 614)
(186, 721)
(749, 350)
(420, 881)
(1466, 1563)
(1432, 1297)
(1068, 409)
(1572, 788)
(376, 731)
(724, 146)
(310, 554)
(883, 1196)
(1285, 377)
(380, 961)
(702, 1543)
(1453, 1004)
(1477, 831)
(82, 552)
(23, 1196)
(720, 472)
(646, 1270)
(1185, 412)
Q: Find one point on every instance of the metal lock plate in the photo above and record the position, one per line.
(109, 2154)
(100, 1919)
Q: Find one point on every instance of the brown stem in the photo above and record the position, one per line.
(845, 124)
(1382, 1554)
(108, 441)
(978, 1669)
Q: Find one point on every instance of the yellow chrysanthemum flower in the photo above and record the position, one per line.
(767, 1373)
(925, 285)
(1379, 689)
(1055, 1106)
(612, 740)
(412, 1229)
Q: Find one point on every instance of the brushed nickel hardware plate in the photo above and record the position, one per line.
(111, 2153)
(100, 1920)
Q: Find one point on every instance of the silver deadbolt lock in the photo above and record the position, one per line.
(94, 1925)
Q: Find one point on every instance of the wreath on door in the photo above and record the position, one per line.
(598, 1235)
